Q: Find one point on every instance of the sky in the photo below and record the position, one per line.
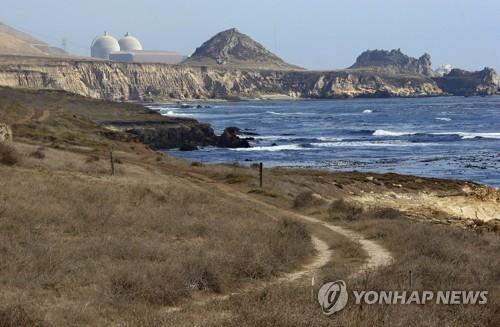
(315, 34)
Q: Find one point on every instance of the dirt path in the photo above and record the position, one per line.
(44, 116)
(377, 255)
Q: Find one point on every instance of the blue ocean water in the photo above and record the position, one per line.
(447, 137)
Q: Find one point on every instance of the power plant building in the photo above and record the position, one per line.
(129, 49)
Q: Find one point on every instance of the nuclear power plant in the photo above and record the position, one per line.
(129, 49)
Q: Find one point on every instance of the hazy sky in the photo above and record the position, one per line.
(317, 34)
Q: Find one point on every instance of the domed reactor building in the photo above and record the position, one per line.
(103, 45)
(129, 49)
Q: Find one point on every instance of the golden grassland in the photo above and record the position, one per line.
(82, 247)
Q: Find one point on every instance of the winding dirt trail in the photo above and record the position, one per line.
(377, 255)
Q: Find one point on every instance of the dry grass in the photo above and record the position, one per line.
(343, 210)
(38, 153)
(8, 155)
(16, 315)
(440, 257)
(88, 248)
(307, 199)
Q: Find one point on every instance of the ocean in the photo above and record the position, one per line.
(445, 137)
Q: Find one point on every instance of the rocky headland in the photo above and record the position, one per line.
(233, 66)
(115, 121)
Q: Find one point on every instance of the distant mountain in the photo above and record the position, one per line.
(236, 50)
(15, 42)
(395, 61)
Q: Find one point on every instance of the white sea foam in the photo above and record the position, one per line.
(286, 147)
(463, 135)
(288, 113)
(367, 111)
(382, 132)
(173, 113)
(468, 135)
(274, 137)
(368, 144)
(443, 118)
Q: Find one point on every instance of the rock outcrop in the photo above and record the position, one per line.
(395, 62)
(461, 82)
(233, 49)
(5, 133)
(230, 139)
(143, 82)
(182, 133)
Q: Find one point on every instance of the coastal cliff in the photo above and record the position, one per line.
(395, 62)
(461, 82)
(143, 82)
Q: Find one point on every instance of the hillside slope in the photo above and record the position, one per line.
(231, 48)
(15, 42)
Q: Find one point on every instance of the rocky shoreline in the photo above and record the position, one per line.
(182, 134)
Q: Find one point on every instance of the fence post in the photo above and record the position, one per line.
(112, 162)
(261, 166)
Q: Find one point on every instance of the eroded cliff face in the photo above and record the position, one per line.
(122, 81)
(461, 82)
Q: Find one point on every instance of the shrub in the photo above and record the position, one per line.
(8, 155)
(340, 209)
(263, 192)
(196, 164)
(16, 316)
(38, 154)
(307, 199)
(384, 213)
(92, 158)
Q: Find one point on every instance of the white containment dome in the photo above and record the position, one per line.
(103, 45)
(130, 43)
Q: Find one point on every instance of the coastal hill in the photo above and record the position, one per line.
(231, 48)
(395, 62)
(15, 42)
(231, 66)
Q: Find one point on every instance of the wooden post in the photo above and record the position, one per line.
(312, 289)
(261, 166)
(112, 162)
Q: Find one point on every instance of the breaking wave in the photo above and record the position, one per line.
(462, 135)
(286, 147)
(382, 132)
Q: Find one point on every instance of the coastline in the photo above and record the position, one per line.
(161, 82)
